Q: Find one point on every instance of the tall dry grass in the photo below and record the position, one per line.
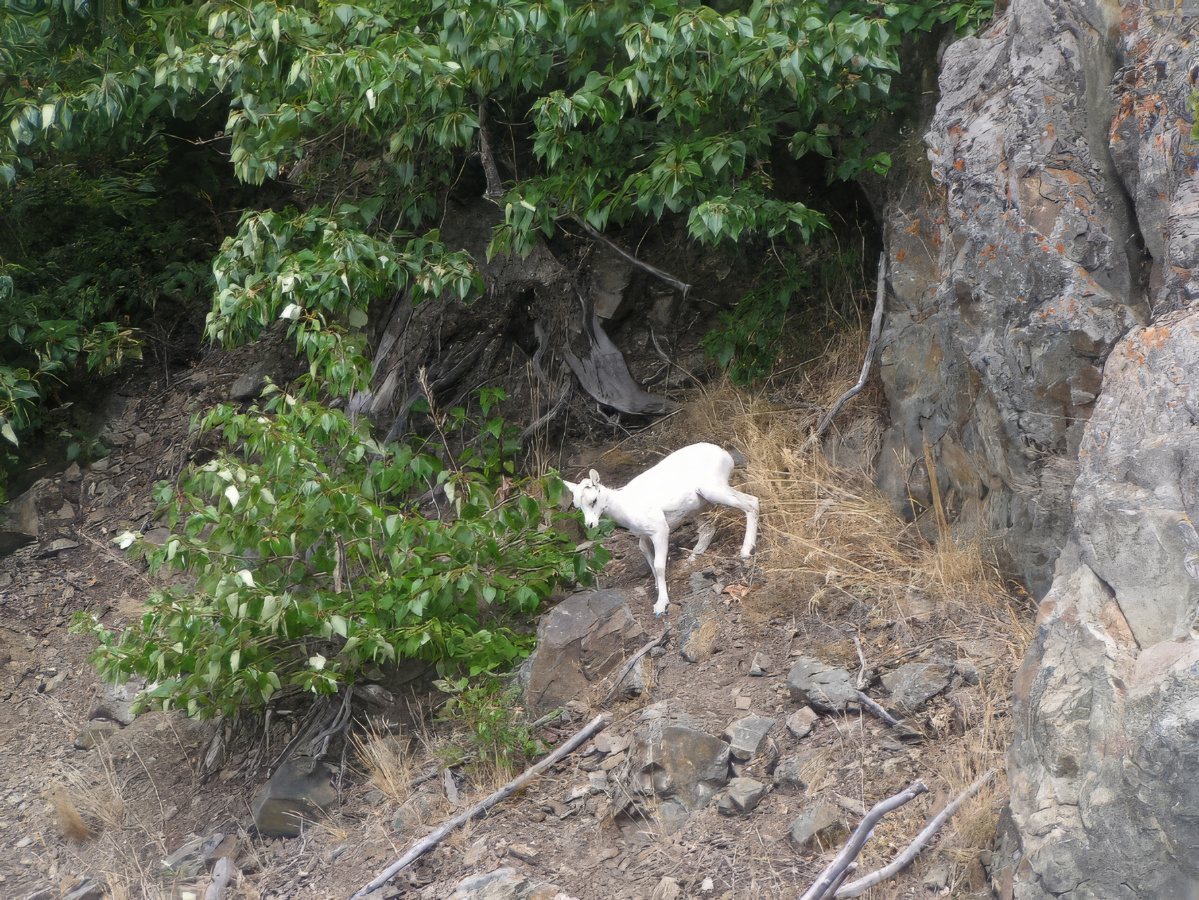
(839, 559)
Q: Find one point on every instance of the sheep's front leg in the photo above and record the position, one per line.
(661, 544)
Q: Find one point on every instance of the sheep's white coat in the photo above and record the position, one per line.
(659, 499)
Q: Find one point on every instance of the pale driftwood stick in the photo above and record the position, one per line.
(857, 840)
(429, 841)
(628, 667)
(863, 884)
(876, 325)
(863, 679)
(222, 873)
(840, 879)
(629, 257)
(885, 716)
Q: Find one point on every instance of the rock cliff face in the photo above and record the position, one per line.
(1042, 350)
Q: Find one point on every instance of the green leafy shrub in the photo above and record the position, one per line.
(311, 561)
(93, 253)
(814, 286)
(494, 728)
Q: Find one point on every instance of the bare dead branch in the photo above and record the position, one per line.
(630, 258)
(863, 884)
(889, 720)
(831, 875)
(876, 325)
(430, 841)
(628, 666)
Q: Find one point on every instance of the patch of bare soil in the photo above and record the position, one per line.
(838, 577)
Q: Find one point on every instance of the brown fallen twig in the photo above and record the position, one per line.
(859, 887)
(876, 325)
(628, 667)
(429, 841)
(833, 873)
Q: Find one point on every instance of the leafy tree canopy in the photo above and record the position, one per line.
(311, 557)
(597, 112)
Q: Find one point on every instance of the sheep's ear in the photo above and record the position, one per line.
(595, 479)
(570, 485)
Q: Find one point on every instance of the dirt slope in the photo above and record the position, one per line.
(141, 794)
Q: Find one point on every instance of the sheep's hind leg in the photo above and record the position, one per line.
(747, 503)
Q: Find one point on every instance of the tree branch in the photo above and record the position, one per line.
(629, 257)
(432, 840)
(832, 873)
(859, 887)
(875, 327)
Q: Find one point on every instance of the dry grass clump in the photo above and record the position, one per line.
(388, 760)
(83, 807)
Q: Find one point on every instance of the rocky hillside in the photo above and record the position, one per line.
(737, 756)
(1036, 414)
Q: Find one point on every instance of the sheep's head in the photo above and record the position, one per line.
(586, 496)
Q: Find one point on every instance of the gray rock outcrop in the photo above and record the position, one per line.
(1041, 347)
(584, 638)
(1103, 792)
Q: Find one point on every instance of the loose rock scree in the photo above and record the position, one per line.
(663, 497)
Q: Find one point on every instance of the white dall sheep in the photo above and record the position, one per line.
(659, 499)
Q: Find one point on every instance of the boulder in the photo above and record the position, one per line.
(802, 722)
(912, 685)
(820, 685)
(788, 769)
(1104, 802)
(679, 761)
(299, 793)
(583, 639)
(19, 521)
(822, 826)
(698, 629)
(745, 736)
(742, 797)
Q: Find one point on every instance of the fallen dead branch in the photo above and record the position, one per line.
(430, 841)
(628, 667)
(876, 325)
(834, 873)
(863, 884)
(881, 714)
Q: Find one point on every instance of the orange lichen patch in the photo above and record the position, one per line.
(959, 164)
(899, 256)
(1156, 336)
(1061, 248)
